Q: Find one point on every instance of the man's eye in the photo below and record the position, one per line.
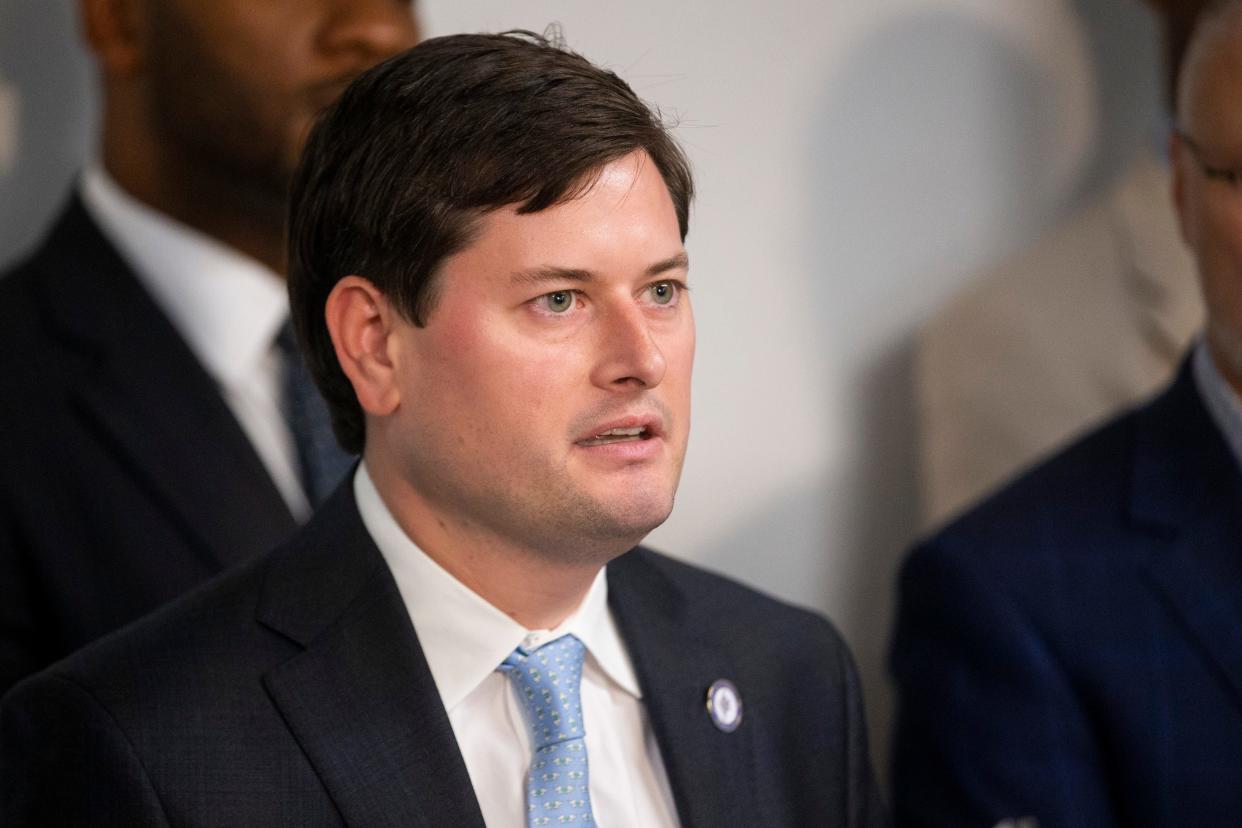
(1222, 174)
(663, 292)
(559, 301)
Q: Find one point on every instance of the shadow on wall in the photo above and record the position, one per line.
(941, 134)
(928, 155)
(1125, 46)
(48, 77)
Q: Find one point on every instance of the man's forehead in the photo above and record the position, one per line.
(1212, 75)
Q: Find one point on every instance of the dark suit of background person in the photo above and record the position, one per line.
(1070, 650)
(127, 479)
(300, 689)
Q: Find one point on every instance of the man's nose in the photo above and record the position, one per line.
(629, 355)
(374, 29)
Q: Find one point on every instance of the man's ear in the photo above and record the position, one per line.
(114, 30)
(362, 324)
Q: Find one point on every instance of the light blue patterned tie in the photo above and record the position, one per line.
(548, 683)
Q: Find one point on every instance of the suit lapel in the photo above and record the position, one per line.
(1187, 496)
(360, 699)
(151, 404)
(711, 773)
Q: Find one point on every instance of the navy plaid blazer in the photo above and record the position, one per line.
(1071, 650)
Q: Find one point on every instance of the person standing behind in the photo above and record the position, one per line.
(157, 424)
(1069, 651)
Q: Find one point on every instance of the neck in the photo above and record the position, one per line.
(534, 588)
(243, 215)
(534, 594)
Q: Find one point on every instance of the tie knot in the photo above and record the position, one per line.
(567, 650)
(548, 683)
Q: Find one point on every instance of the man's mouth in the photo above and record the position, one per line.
(617, 435)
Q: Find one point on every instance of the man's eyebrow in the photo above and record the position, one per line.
(538, 275)
(679, 262)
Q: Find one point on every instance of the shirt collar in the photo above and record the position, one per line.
(464, 638)
(226, 305)
(1220, 399)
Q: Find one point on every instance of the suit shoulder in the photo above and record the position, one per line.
(54, 729)
(19, 311)
(713, 601)
(787, 661)
(239, 624)
(211, 628)
(1066, 519)
(1083, 484)
(34, 356)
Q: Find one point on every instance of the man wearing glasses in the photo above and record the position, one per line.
(1070, 652)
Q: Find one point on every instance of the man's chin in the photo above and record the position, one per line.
(629, 524)
(598, 523)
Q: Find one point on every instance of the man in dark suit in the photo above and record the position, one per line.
(1068, 654)
(489, 277)
(148, 426)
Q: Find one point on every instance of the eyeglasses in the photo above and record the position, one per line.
(1229, 176)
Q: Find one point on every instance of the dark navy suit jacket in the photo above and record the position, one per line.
(1072, 649)
(293, 691)
(124, 477)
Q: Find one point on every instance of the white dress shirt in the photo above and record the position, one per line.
(227, 307)
(464, 639)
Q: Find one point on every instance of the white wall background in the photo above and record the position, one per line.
(857, 161)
